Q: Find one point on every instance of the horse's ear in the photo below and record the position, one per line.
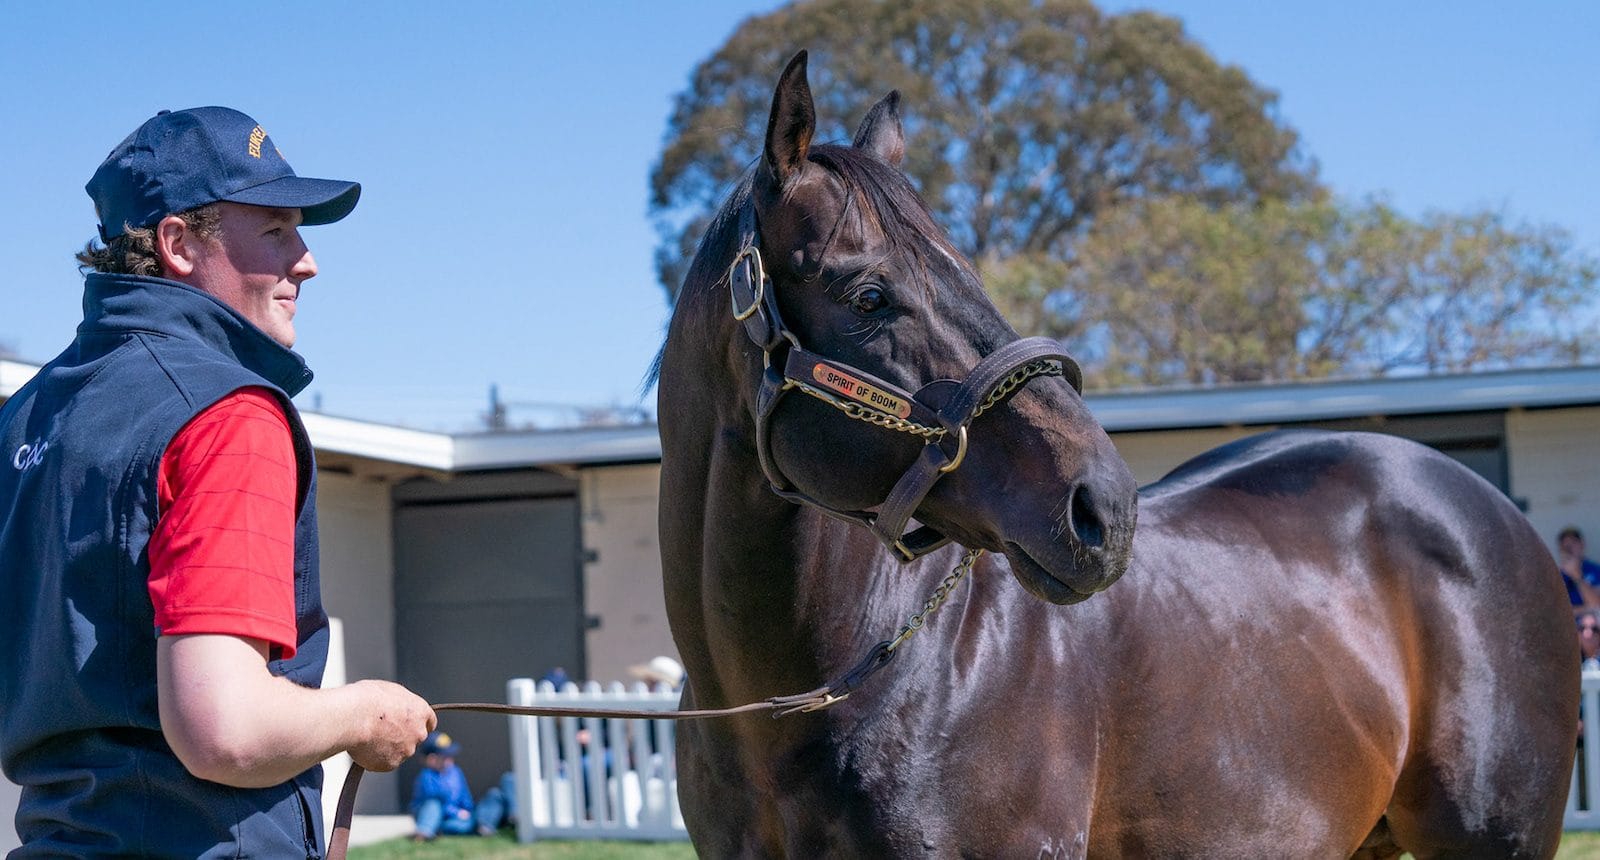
(880, 133)
(793, 121)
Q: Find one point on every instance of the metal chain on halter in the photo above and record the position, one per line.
(937, 599)
(862, 412)
(1018, 378)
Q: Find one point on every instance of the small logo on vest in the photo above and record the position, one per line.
(29, 456)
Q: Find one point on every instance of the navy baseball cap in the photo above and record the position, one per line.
(182, 159)
(439, 743)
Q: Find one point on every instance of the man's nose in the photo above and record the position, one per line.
(306, 266)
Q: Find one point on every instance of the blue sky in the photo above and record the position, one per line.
(505, 148)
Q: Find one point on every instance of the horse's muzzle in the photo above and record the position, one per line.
(1085, 547)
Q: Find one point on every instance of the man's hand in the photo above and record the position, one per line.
(397, 720)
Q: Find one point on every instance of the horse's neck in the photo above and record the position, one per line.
(764, 597)
(767, 597)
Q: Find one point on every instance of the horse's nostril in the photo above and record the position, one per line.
(1086, 524)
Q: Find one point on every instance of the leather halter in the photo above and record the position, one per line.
(940, 412)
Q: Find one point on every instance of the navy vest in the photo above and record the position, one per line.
(80, 448)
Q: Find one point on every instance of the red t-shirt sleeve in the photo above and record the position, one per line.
(222, 553)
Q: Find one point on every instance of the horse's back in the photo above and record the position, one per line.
(1417, 518)
(1403, 632)
(1368, 492)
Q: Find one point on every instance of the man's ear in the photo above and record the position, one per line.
(178, 247)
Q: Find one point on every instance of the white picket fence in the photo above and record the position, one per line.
(1583, 800)
(618, 779)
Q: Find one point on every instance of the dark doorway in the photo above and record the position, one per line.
(488, 587)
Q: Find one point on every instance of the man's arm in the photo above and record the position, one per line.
(222, 588)
(231, 721)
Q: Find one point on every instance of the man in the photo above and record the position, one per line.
(162, 637)
(441, 802)
(1589, 641)
(1582, 576)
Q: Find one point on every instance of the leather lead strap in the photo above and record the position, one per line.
(344, 812)
(815, 700)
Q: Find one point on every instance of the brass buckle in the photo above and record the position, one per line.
(827, 701)
(961, 453)
(751, 254)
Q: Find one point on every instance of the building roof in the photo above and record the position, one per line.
(1283, 403)
(1123, 411)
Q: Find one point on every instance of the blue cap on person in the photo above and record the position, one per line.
(439, 743)
(183, 159)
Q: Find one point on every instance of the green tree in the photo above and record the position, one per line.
(1173, 291)
(1025, 119)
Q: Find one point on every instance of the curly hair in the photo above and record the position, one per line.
(134, 252)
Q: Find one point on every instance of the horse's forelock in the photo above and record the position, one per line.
(899, 212)
(712, 256)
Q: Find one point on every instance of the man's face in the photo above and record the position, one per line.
(256, 266)
(1572, 546)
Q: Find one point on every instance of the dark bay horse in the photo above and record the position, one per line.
(1320, 645)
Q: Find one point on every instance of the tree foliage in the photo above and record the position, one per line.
(1172, 291)
(1025, 119)
(1122, 190)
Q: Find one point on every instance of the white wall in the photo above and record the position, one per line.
(622, 586)
(10, 794)
(355, 529)
(1555, 467)
(1155, 453)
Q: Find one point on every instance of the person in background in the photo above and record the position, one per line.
(1589, 654)
(556, 678)
(441, 802)
(1579, 574)
(162, 635)
(662, 670)
(1589, 641)
(498, 806)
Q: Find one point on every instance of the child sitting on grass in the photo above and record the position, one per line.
(441, 802)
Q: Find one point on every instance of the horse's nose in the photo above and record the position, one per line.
(1101, 511)
(1088, 523)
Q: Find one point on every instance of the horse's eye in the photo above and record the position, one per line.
(869, 300)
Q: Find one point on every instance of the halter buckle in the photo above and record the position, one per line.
(827, 701)
(748, 254)
(961, 452)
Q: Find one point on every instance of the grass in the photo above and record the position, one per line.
(1574, 846)
(505, 847)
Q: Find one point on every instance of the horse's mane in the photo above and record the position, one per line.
(876, 190)
(711, 258)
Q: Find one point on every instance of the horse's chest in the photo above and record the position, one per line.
(923, 808)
